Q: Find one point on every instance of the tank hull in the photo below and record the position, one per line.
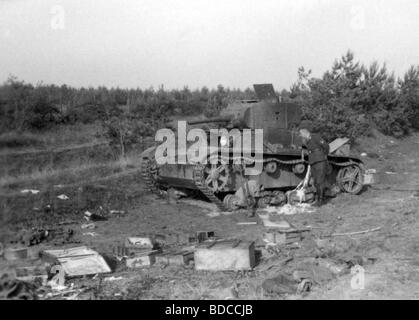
(282, 171)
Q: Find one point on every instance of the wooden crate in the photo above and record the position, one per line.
(225, 255)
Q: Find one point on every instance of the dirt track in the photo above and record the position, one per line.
(390, 256)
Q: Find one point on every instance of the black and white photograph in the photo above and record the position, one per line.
(224, 152)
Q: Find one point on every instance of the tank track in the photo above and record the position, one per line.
(292, 162)
(148, 171)
(198, 176)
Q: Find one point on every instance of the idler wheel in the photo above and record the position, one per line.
(350, 179)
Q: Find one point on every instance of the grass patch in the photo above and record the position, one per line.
(20, 140)
(48, 176)
(57, 137)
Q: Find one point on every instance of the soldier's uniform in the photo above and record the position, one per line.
(318, 149)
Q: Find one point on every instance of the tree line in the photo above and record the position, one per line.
(347, 100)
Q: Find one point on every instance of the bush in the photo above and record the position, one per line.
(41, 114)
(124, 132)
(18, 140)
(350, 99)
(87, 113)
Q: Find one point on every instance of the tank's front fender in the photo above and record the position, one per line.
(148, 153)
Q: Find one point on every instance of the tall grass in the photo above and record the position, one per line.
(56, 137)
(88, 171)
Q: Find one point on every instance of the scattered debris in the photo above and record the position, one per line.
(297, 208)
(32, 237)
(317, 274)
(203, 236)
(94, 216)
(139, 242)
(14, 289)
(64, 294)
(273, 224)
(181, 257)
(336, 268)
(245, 223)
(118, 213)
(288, 209)
(221, 293)
(92, 234)
(225, 255)
(356, 232)
(171, 239)
(12, 254)
(57, 281)
(112, 278)
(276, 237)
(77, 261)
(369, 176)
(61, 236)
(88, 226)
(299, 197)
(214, 214)
(140, 260)
(32, 191)
(280, 284)
(32, 274)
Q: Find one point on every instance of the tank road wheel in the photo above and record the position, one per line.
(216, 177)
(263, 202)
(231, 202)
(349, 179)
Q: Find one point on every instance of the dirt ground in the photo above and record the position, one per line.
(389, 256)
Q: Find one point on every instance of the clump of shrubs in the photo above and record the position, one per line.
(350, 99)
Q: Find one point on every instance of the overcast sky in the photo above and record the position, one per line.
(143, 43)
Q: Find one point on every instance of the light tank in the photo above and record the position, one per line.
(284, 164)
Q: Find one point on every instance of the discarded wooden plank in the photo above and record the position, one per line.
(355, 233)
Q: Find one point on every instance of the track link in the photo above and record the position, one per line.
(148, 172)
(198, 176)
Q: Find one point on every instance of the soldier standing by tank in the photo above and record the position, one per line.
(318, 149)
